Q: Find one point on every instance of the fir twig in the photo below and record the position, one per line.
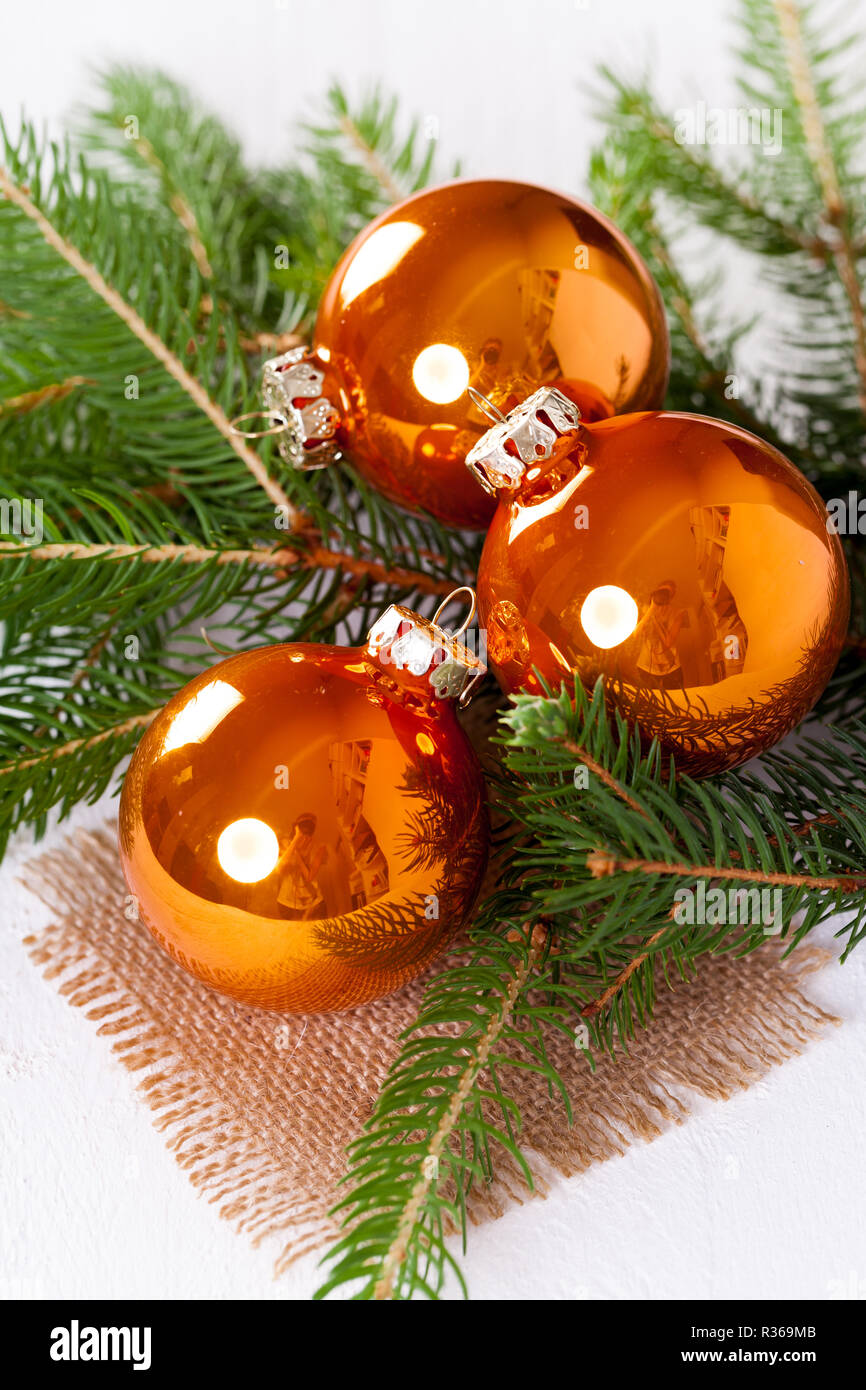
(476, 1062)
(432, 1133)
(79, 745)
(370, 158)
(155, 345)
(602, 864)
(835, 206)
(179, 206)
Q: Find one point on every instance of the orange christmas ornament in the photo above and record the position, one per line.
(303, 827)
(498, 286)
(681, 559)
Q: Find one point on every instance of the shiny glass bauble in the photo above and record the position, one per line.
(303, 827)
(485, 283)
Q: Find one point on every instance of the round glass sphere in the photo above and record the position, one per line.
(303, 828)
(495, 285)
(684, 561)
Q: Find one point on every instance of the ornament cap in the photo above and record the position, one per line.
(419, 646)
(527, 435)
(293, 377)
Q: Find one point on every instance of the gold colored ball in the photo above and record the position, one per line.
(684, 561)
(496, 285)
(298, 834)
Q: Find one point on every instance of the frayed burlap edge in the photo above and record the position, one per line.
(258, 1110)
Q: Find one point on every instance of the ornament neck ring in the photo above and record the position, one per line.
(305, 420)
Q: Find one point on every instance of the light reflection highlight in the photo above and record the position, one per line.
(608, 616)
(248, 850)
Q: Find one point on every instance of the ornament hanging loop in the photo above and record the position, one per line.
(486, 406)
(280, 427)
(473, 606)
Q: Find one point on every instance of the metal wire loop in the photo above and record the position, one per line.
(486, 406)
(279, 428)
(473, 605)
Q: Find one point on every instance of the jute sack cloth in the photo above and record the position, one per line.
(258, 1109)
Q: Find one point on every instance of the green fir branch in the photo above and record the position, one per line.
(442, 1112)
(629, 834)
(800, 210)
(358, 160)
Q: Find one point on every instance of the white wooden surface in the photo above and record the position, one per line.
(760, 1197)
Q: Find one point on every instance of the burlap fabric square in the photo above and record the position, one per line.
(258, 1109)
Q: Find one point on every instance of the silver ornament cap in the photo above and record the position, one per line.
(531, 428)
(294, 376)
(405, 640)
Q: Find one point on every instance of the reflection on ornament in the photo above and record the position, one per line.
(608, 615)
(377, 257)
(441, 373)
(503, 286)
(702, 585)
(304, 827)
(201, 716)
(248, 850)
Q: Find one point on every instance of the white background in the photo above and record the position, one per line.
(760, 1197)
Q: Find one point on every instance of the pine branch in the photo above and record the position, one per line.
(430, 1137)
(595, 867)
(592, 860)
(836, 210)
(801, 211)
(179, 206)
(620, 983)
(79, 745)
(370, 158)
(687, 173)
(232, 221)
(602, 864)
(396, 1255)
(153, 343)
(702, 365)
(372, 130)
(363, 159)
(625, 834)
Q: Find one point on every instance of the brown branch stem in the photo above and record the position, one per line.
(601, 773)
(596, 1005)
(371, 159)
(50, 755)
(601, 864)
(314, 557)
(179, 206)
